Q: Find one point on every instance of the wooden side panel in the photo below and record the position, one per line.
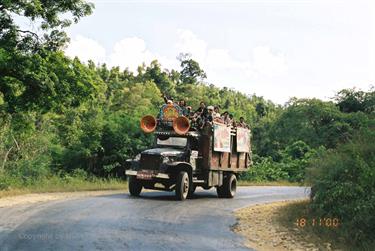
(220, 160)
(234, 155)
(215, 160)
(205, 149)
(242, 160)
(233, 161)
(224, 160)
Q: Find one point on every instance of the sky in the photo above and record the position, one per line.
(275, 49)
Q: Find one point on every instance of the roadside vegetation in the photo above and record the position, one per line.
(65, 124)
(77, 181)
(325, 231)
(265, 228)
(343, 186)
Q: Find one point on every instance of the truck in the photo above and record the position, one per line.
(185, 156)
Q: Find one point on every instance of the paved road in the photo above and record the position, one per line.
(119, 222)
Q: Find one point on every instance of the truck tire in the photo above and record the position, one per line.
(220, 192)
(182, 185)
(228, 189)
(191, 191)
(135, 187)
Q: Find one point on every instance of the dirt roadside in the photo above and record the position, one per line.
(44, 197)
(263, 232)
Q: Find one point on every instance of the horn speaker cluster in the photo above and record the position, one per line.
(181, 125)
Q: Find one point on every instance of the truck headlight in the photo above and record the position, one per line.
(166, 160)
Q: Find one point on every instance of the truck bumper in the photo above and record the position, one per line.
(146, 174)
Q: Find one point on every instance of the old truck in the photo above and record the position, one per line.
(184, 157)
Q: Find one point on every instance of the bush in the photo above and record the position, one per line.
(265, 169)
(292, 164)
(4, 182)
(343, 186)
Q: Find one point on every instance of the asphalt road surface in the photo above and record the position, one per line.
(154, 221)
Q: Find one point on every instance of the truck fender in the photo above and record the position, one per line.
(179, 166)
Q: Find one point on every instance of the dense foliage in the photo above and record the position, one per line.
(61, 118)
(344, 187)
(59, 115)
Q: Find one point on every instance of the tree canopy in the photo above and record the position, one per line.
(51, 17)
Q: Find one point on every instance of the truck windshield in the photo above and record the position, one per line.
(172, 141)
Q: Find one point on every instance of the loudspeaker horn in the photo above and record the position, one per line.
(148, 123)
(181, 125)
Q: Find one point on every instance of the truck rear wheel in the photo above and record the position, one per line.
(182, 186)
(135, 187)
(228, 189)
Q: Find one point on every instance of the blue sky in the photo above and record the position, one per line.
(275, 49)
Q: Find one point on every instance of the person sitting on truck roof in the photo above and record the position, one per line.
(216, 115)
(217, 109)
(166, 98)
(210, 114)
(188, 111)
(242, 123)
(225, 118)
(200, 114)
(183, 107)
(202, 119)
(231, 120)
(202, 110)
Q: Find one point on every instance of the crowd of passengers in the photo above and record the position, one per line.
(207, 114)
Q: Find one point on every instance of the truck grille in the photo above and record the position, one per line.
(150, 162)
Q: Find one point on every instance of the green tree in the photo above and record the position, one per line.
(49, 16)
(191, 72)
(34, 74)
(315, 122)
(44, 81)
(160, 78)
(352, 100)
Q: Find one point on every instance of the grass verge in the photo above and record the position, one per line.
(267, 183)
(70, 184)
(272, 227)
(302, 223)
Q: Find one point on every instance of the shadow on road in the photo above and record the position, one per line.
(162, 196)
(171, 196)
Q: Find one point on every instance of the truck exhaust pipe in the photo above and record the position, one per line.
(181, 125)
(148, 123)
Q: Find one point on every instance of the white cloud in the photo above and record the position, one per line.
(262, 61)
(127, 53)
(188, 42)
(130, 53)
(221, 67)
(85, 49)
(221, 59)
(268, 63)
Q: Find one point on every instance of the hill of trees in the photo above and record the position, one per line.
(62, 118)
(59, 115)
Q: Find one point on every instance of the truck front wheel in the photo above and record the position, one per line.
(135, 187)
(191, 191)
(182, 185)
(228, 189)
